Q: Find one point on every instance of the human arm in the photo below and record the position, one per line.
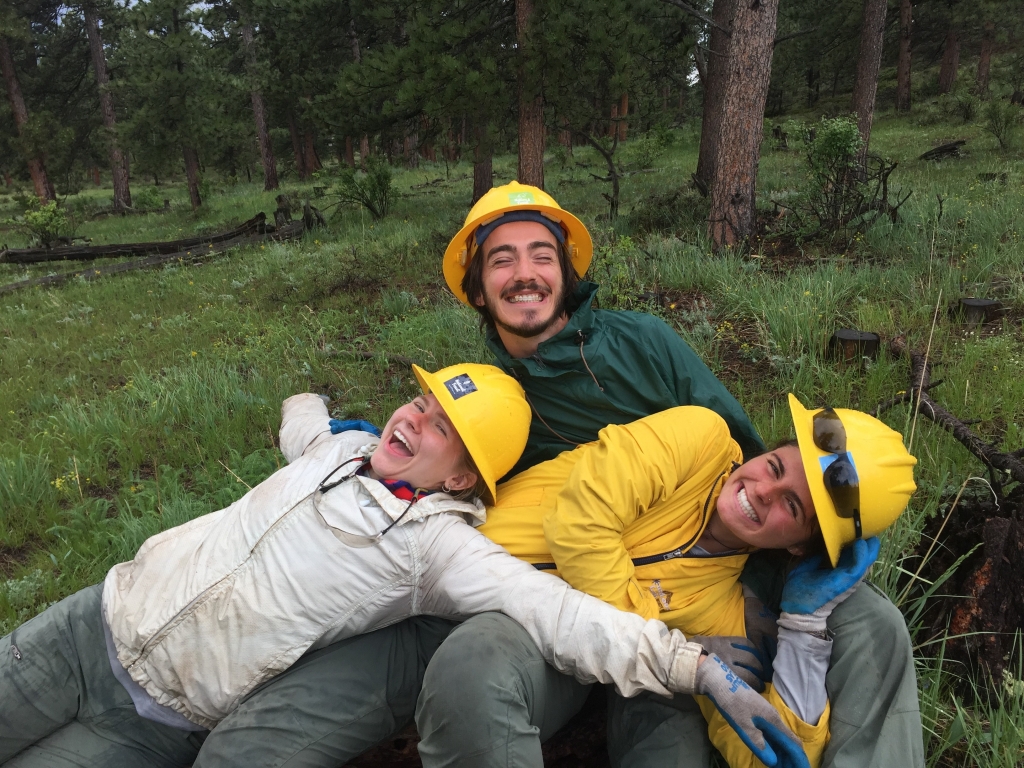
(306, 424)
(629, 470)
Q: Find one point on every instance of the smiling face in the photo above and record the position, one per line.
(766, 503)
(522, 283)
(420, 446)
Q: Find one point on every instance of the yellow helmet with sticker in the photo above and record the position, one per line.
(495, 204)
(488, 408)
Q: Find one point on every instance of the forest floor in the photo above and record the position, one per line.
(139, 401)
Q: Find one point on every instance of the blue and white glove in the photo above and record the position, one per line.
(740, 654)
(755, 721)
(338, 426)
(811, 592)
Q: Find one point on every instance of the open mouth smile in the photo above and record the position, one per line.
(400, 444)
(745, 507)
(525, 298)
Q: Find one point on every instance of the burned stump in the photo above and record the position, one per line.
(944, 151)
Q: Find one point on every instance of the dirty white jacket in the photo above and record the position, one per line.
(211, 609)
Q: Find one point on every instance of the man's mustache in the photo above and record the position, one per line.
(532, 286)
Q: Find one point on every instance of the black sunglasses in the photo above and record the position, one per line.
(840, 476)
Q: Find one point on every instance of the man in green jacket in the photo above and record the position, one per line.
(488, 697)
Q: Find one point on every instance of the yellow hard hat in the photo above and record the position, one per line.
(488, 409)
(499, 201)
(884, 470)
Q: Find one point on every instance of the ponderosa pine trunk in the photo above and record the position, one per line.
(259, 109)
(36, 165)
(715, 81)
(191, 158)
(988, 41)
(531, 106)
(623, 114)
(350, 154)
(312, 158)
(747, 71)
(118, 159)
(950, 61)
(483, 156)
(903, 61)
(297, 149)
(869, 61)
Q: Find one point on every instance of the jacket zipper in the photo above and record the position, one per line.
(663, 556)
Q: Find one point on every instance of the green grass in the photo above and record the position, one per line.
(138, 402)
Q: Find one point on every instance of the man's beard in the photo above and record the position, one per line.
(528, 328)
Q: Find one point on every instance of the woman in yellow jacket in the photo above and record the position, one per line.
(657, 517)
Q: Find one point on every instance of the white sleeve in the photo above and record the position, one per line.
(465, 573)
(799, 673)
(304, 422)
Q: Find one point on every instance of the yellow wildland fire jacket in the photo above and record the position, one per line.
(618, 518)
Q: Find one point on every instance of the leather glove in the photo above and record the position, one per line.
(755, 721)
(740, 654)
(811, 593)
(338, 426)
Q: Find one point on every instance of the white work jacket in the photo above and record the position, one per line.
(211, 609)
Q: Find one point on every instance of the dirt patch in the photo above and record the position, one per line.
(12, 558)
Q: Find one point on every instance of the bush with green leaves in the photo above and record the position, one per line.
(147, 198)
(643, 152)
(1001, 120)
(373, 190)
(48, 223)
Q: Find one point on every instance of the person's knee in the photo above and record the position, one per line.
(478, 664)
(868, 622)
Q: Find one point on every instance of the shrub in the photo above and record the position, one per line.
(48, 224)
(372, 190)
(147, 198)
(1001, 120)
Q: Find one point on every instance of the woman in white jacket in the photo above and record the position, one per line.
(354, 534)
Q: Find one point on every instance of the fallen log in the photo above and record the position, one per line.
(920, 383)
(952, 149)
(191, 256)
(982, 605)
(255, 225)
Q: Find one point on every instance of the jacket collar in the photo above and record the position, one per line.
(560, 350)
(435, 503)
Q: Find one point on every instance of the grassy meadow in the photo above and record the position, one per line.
(137, 402)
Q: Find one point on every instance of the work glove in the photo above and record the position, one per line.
(811, 592)
(740, 654)
(762, 630)
(755, 721)
(338, 426)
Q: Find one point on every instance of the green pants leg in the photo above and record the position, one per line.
(333, 704)
(490, 699)
(62, 706)
(649, 731)
(876, 718)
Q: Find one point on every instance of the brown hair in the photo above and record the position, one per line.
(473, 284)
(480, 489)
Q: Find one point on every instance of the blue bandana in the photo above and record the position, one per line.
(482, 233)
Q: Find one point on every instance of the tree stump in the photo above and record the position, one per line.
(976, 311)
(851, 346)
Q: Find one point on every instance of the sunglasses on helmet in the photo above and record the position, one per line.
(840, 477)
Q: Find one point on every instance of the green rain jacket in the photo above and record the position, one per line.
(612, 367)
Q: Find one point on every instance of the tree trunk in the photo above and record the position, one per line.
(350, 155)
(716, 81)
(36, 165)
(903, 63)
(623, 112)
(613, 121)
(950, 61)
(869, 60)
(746, 73)
(531, 107)
(259, 110)
(118, 160)
(192, 176)
(300, 157)
(312, 158)
(988, 41)
(364, 151)
(483, 154)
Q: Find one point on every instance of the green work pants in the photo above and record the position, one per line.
(62, 707)
(331, 705)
